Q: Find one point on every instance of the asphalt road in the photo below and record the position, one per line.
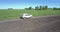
(35, 24)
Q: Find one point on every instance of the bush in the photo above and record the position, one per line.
(56, 8)
(10, 8)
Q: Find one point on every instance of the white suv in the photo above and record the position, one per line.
(26, 16)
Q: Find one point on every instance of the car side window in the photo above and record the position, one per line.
(27, 15)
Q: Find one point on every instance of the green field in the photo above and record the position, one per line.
(8, 14)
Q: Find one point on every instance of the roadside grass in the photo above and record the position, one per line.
(8, 14)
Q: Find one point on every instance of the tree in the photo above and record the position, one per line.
(40, 8)
(30, 8)
(36, 8)
(46, 7)
(43, 7)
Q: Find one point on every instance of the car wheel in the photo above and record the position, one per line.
(21, 18)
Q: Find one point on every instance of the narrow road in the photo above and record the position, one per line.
(36, 24)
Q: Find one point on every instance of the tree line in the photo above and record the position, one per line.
(41, 8)
(38, 8)
(56, 8)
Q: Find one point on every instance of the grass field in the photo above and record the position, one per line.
(8, 14)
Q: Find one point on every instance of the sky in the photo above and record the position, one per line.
(21, 4)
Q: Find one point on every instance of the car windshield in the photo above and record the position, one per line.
(26, 14)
